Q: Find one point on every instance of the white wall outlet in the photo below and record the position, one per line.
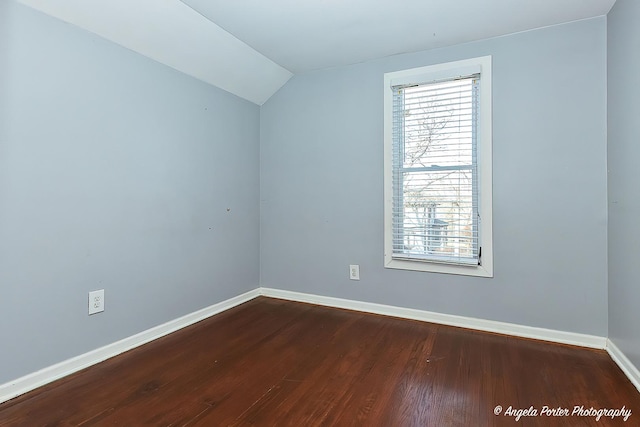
(354, 272)
(96, 301)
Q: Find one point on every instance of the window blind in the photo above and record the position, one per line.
(434, 168)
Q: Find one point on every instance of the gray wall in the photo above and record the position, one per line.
(115, 172)
(624, 176)
(321, 184)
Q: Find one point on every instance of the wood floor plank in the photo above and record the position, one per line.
(270, 362)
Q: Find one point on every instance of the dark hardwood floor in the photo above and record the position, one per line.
(272, 362)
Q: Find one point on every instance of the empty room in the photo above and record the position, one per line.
(336, 213)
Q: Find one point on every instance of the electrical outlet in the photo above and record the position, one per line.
(354, 272)
(96, 301)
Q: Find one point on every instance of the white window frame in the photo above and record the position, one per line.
(429, 74)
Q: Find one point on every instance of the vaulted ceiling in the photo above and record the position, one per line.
(252, 47)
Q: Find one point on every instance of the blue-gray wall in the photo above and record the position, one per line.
(321, 173)
(624, 177)
(117, 173)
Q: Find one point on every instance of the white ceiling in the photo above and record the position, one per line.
(251, 47)
(304, 35)
(172, 33)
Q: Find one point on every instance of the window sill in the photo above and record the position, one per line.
(431, 267)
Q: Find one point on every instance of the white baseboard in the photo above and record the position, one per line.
(572, 338)
(44, 376)
(624, 363)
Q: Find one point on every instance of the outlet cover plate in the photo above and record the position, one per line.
(354, 272)
(96, 301)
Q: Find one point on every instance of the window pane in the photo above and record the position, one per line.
(438, 124)
(437, 213)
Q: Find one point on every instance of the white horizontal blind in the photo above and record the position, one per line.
(434, 167)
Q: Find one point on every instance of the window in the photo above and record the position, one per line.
(438, 185)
